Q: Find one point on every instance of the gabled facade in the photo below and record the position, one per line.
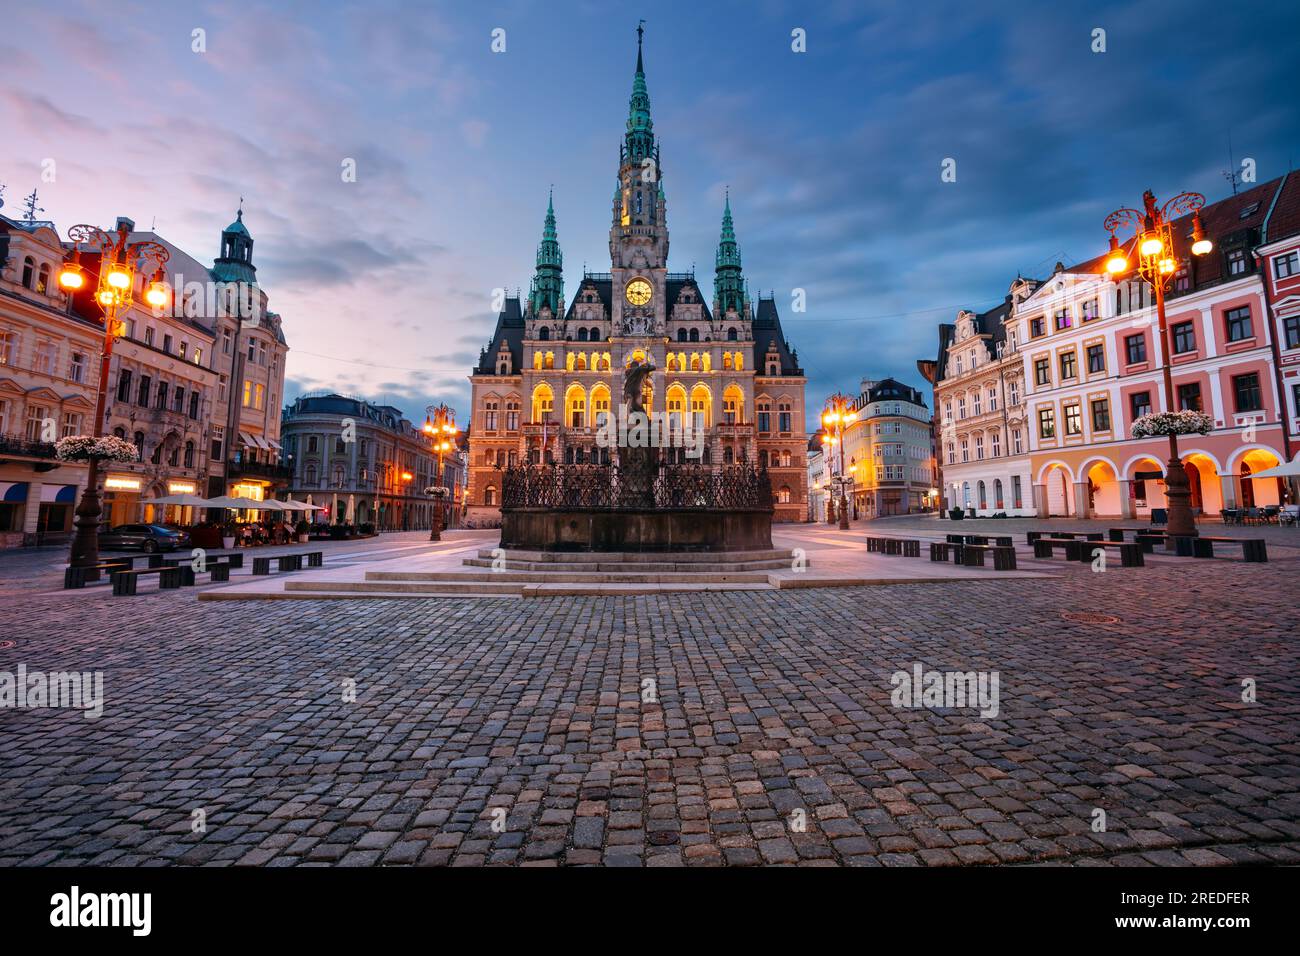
(553, 369)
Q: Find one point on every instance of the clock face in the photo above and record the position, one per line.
(638, 291)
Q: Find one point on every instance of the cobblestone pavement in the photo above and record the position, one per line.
(515, 732)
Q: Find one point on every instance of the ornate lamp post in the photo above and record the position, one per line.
(119, 261)
(837, 417)
(1153, 244)
(440, 427)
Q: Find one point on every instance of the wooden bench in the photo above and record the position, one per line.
(1252, 549)
(1045, 547)
(74, 577)
(906, 547)
(1130, 553)
(939, 550)
(218, 570)
(125, 580)
(315, 559)
(972, 556)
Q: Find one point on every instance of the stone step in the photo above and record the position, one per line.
(576, 577)
(484, 589)
(783, 555)
(500, 588)
(657, 567)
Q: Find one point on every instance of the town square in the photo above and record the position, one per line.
(823, 448)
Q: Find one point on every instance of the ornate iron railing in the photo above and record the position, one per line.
(680, 487)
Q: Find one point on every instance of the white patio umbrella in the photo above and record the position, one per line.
(182, 500)
(1289, 469)
(241, 504)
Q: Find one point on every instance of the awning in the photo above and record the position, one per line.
(272, 444)
(59, 494)
(246, 440)
(13, 491)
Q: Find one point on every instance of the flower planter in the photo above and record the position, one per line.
(227, 542)
(304, 538)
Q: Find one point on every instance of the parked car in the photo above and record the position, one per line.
(143, 537)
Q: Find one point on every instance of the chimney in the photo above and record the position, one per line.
(123, 221)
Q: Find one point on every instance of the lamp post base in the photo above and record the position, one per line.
(85, 543)
(844, 514)
(1178, 494)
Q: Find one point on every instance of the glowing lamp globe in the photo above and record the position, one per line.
(1152, 246)
(119, 278)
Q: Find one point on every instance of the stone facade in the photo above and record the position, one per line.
(49, 367)
(379, 477)
(888, 451)
(553, 370)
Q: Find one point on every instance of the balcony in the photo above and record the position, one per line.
(11, 446)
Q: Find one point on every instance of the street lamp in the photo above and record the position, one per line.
(115, 288)
(1153, 244)
(837, 417)
(440, 428)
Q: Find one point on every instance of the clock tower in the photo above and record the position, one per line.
(638, 235)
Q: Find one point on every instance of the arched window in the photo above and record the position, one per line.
(338, 476)
(575, 406)
(675, 405)
(309, 476)
(732, 335)
(544, 334)
(997, 493)
(701, 416)
(139, 446)
(681, 335)
(671, 363)
(726, 360)
(695, 335)
(189, 454)
(29, 271)
(695, 361)
(599, 404)
(983, 498)
(582, 335)
(783, 496)
(543, 403)
(728, 456)
(740, 361)
(550, 360)
(581, 363)
(489, 495)
(43, 278)
(733, 405)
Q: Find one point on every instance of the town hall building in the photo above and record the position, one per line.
(554, 369)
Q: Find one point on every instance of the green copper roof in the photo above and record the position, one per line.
(728, 280)
(238, 225)
(548, 281)
(640, 128)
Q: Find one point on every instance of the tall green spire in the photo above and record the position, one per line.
(639, 141)
(728, 279)
(548, 281)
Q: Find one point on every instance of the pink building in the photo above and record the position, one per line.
(1092, 363)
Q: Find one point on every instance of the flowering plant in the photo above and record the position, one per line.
(85, 447)
(1186, 422)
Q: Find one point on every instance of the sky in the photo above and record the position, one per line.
(833, 156)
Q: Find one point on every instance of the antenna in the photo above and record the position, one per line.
(1231, 174)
